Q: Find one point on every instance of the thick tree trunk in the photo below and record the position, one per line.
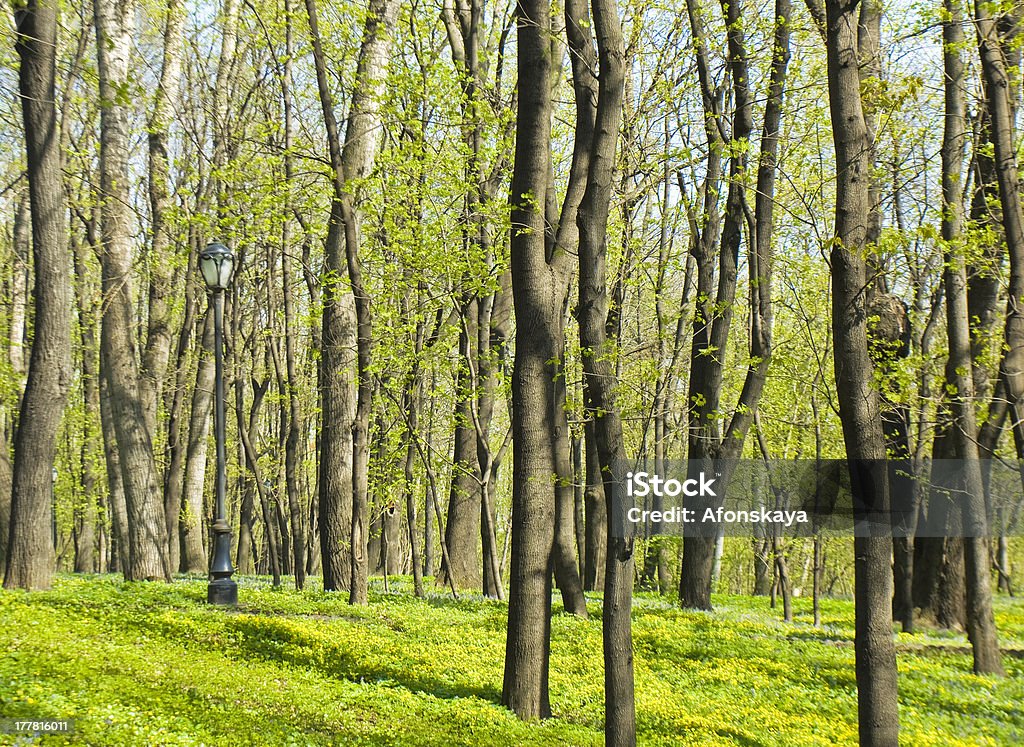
(938, 581)
(147, 536)
(337, 410)
(858, 400)
(528, 639)
(30, 551)
(354, 162)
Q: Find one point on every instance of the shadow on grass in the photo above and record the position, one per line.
(278, 642)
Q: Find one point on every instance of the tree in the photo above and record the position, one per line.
(147, 544)
(597, 353)
(537, 295)
(713, 317)
(980, 620)
(349, 166)
(858, 400)
(29, 557)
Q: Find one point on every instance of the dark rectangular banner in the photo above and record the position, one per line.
(805, 497)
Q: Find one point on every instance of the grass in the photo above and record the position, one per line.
(152, 664)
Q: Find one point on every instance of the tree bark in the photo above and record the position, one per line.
(528, 638)
(858, 400)
(115, 22)
(980, 619)
(296, 421)
(192, 509)
(596, 354)
(352, 163)
(89, 525)
(30, 551)
(156, 352)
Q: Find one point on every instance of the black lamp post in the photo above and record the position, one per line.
(217, 264)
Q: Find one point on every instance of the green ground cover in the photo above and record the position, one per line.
(151, 664)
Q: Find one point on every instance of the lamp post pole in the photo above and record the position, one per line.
(216, 263)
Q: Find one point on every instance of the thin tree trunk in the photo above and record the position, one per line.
(193, 549)
(296, 423)
(596, 512)
(88, 524)
(980, 619)
(157, 349)
(20, 276)
(711, 324)
(595, 347)
(116, 504)
(462, 528)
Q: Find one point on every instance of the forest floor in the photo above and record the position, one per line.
(152, 664)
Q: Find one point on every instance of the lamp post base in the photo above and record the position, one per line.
(222, 591)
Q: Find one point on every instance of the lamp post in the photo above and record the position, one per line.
(217, 264)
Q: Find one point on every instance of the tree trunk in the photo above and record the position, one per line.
(88, 524)
(296, 421)
(596, 349)
(462, 530)
(193, 548)
(147, 536)
(6, 481)
(528, 638)
(980, 619)
(712, 321)
(354, 162)
(30, 551)
(566, 559)
(20, 275)
(596, 513)
(157, 349)
(174, 450)
(858, 400)
(116, 505)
